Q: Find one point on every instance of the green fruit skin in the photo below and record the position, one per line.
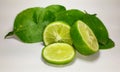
(69, 16)
(97, 27)
(29, 24)
(79, 43)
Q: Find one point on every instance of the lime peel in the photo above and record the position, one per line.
(84, 39)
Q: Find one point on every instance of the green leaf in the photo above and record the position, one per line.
(29, 24)
(97, 26)
(9, 34)
(70, 16)
(56, 8)
(108, 45)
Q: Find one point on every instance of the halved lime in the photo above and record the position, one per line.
(57, 32)
(58, 53)
(84, 39)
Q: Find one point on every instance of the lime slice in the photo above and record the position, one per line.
(58, 53)
(84, 39)
(57, 32)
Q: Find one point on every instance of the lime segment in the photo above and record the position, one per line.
(57, 32)
(84, 39)
(58, 53)
(87, 35)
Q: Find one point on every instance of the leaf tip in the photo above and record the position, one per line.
(9, 34)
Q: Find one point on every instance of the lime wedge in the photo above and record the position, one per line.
(84, 39)
(58, 53)
(57, 32)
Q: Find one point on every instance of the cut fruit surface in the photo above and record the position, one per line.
(57, 32)
(58, 53)
(97, 27)
(84, 39)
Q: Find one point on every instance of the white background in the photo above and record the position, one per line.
(16, 56)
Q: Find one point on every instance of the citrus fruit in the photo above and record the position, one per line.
(83, 38)
(97, 27)
(57, 32)
(58, 53)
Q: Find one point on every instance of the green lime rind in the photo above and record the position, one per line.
(97, 27)
(99, 30)
(79, 43)
(58, 62)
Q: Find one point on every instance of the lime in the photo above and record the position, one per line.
(57, 32)
(97, 27)
(58, 53)
(84, 39)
